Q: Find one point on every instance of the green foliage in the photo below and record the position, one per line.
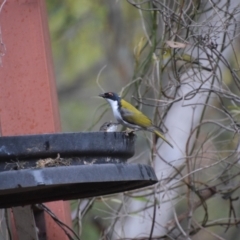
(86, 36)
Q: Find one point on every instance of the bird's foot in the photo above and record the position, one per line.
(128, 132)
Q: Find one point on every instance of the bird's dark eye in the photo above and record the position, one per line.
(110, 94)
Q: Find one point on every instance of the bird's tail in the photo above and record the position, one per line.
(159, 134)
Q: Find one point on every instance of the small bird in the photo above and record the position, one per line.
(183, 61)
(109, 127)
(127, 115)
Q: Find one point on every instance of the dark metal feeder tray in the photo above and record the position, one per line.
(48, 167)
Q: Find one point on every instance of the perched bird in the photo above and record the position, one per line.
(127, 115)
(183, 61)
(109, 127)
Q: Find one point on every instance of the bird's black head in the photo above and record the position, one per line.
(110, 95)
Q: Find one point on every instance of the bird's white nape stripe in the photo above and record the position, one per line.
(116, 113)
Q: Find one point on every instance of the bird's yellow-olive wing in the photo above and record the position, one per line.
(134, 116)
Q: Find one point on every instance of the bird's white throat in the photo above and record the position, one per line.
(115, 109)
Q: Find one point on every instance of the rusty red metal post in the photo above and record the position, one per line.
(28, 99)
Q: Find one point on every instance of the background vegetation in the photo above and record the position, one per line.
(118, 46)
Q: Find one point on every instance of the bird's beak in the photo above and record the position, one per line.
(101, 95)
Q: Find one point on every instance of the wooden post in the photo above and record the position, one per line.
(28, 99)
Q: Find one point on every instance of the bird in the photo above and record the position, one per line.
(183, 60)
(109, 127)
(130, 117)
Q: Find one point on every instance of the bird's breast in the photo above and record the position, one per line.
(117, 115)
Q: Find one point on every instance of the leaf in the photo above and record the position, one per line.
(173, 44)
